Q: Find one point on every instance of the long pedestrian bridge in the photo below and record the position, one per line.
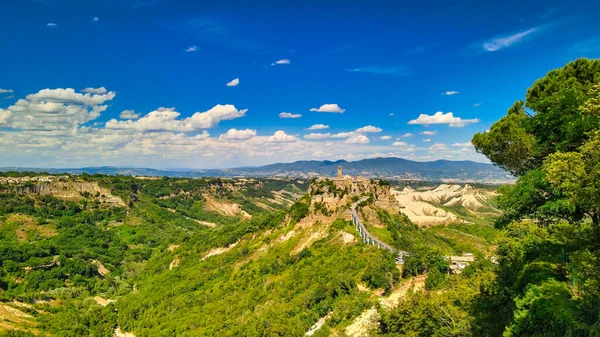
(370, 239)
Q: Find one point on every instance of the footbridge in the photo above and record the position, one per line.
(370, 239)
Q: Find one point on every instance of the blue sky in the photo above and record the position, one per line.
(156, 74)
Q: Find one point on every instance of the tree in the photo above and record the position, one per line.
(577, 175)
(548, 275)
(522, 139)
(507, 143)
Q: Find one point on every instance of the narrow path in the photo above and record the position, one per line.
(370, 239)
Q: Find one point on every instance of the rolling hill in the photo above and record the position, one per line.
(391, 168)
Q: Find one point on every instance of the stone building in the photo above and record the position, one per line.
(459, 263)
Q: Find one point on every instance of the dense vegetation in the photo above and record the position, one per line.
(548, 279)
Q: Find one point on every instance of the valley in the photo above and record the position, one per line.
(223, 256)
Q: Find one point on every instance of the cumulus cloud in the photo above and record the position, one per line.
(78, 144)
(191, 48)
(476, 104)
(442, 118)
(69, 96)
(317, 136)
(96, 19)
(462, 144)
(2, 91)
(101, 90)
(289, 115)
(357, 139)
(233, 83)
(391, 113)
(426, 140)
(318, 127)
(282, 137)
(428, 133)
(385, 137)
(51, 109)
(282, 61)
(165, 119)
(502, 42)
(368, 128)
(51, 24)
(450, 93)
(438, 147)
(237, 135)
(129, 114)
(406, 135)
(334, 108)
(404, 147)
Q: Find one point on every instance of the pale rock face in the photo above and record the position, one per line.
(73, 190)
(417, 204)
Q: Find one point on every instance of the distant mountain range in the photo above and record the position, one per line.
(390, 168)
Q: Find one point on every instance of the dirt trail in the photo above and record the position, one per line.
(120, 333)
(364, 324)
(318, 325)
(218, 250)
(414, 284)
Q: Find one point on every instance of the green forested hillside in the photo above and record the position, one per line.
(84, 255)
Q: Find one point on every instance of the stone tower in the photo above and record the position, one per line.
(339, 172)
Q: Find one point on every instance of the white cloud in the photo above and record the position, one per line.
(289, 115)
(282, 61)
(426, 140)
(391, 113)
(334, 108)
(129, 114)
(502, 42)
(477, 104)
(368, 128)
(450, 93)
(357, 139)
(406, 135)
(236, 135)
(438, 148)
(96, 19)
(233, 83)
(69, 96)
(318, 127)
(191, 48)
(343, 134)
(101, 90)
(317, 136)
(467, 144)
(67, 142)
(442, 118)
(51, 109)
(51, 24)
(385, 137)
(165, 119)
(282, 137)
(2, 91)
(428, 133)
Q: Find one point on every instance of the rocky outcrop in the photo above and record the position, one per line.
(72, 190)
